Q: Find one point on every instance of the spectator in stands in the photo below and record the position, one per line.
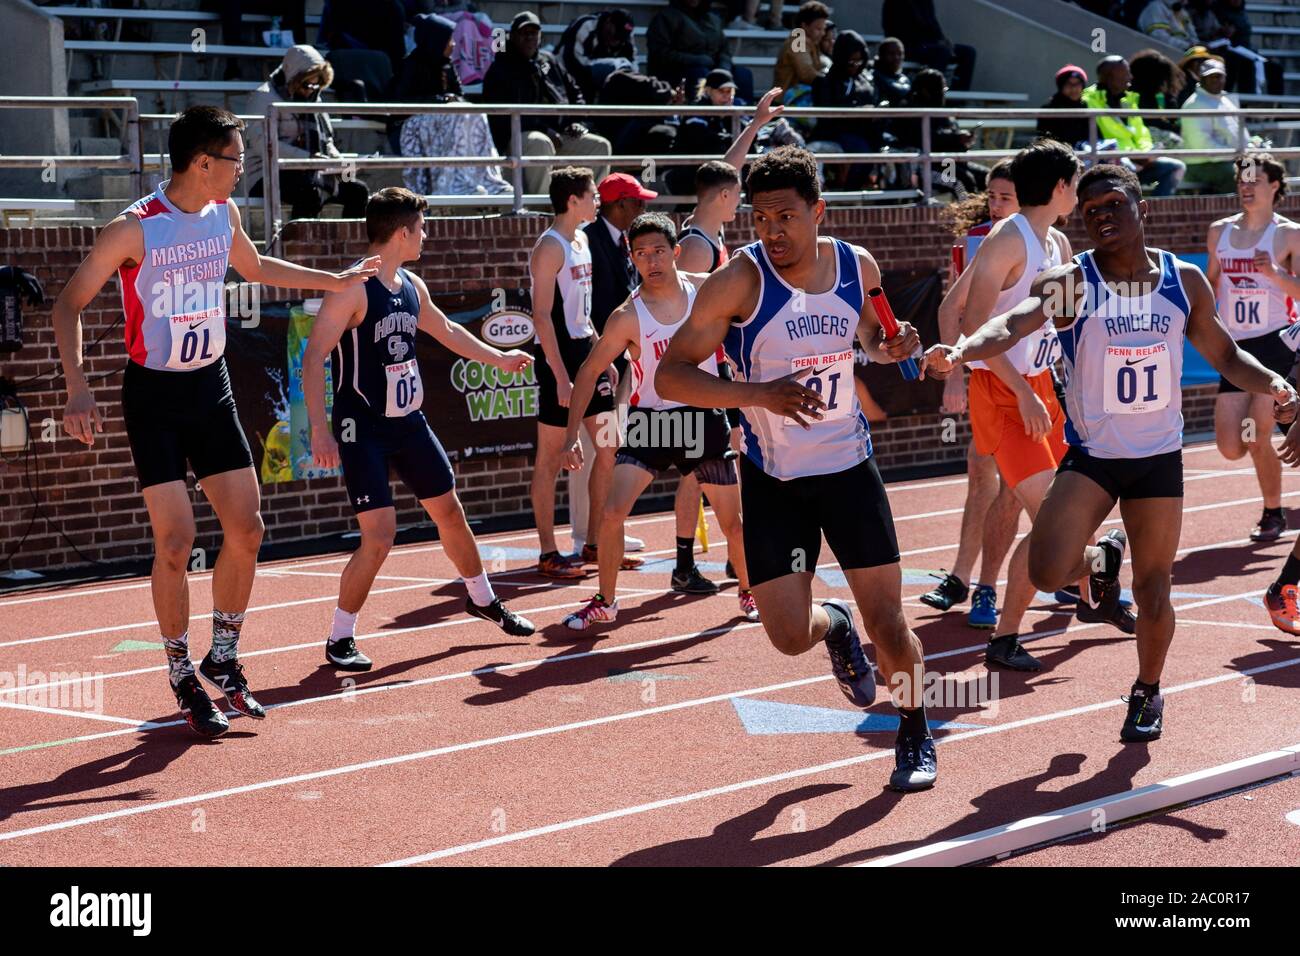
(847, 85)
(428, 77)
(799, 62)
(1070, 81)
(746, 15)
(1208, 26)
(1170, 21)
(604, 37)
(917, 25)
(365, 25)
(1159, 83)
(1224, 131)
(1248, 71)
(827, 47)
(1111, 91)
(638, 135)
(302, 75)
(524, 73)
(891, 83)
(685, 41)
(1233, 12)
(928, 91)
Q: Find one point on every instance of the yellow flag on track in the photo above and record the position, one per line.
(702, 529)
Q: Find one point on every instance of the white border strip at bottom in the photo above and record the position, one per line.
(1079, 819)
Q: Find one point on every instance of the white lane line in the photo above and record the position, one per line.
(87, 714)
(1004, 840)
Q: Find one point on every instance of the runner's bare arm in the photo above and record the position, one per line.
(766, 111)
(255, 267)
(1047, 302)
(620, 333)
(460, 339)
(732, 290)
(1206, 332)
(545, 263)
(950, 309)
(121, 242)
(1212, 270)
(1281, 266)
(339, 311)
(1063, 243)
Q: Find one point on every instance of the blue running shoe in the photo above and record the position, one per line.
(853, 672)
(983, 607)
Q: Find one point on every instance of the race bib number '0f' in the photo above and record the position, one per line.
(405, 393)
(1137, 379)
(198, 338)
(831, 377)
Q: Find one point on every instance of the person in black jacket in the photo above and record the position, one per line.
(917, 25)
(524, 73)
(1070, 81)
(890, 82)
(593, 37)
(847, 85)
(427, 75)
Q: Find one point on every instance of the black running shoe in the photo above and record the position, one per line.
(198, 710)
(692, 582)
(1111, 611)
(1145, 718)
(229, 679)
(501, 616)
(916, 766)
(344, 655)
(946, 593)
(1270, 526)
(853, 672)
(1007, 651)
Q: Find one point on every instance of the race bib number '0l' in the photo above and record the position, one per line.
(831, 377)
(405, 393)
(1137, 379)
(1248, 307)
(198, 338)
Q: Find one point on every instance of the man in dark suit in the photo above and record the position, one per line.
(613, 277)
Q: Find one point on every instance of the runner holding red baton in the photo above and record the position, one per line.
(888, 322)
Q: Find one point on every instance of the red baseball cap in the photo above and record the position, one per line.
(618, 186)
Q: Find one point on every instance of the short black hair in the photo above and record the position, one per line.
(1038, 167)
(1126, 178)
(1001, 170)
(568, 181)
(891, 42)
(1271, 166)
(199, 130)
(390, 209)
(715, 174)
(786, 167)
(651, 222)
(812, 11)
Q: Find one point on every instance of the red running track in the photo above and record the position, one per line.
(626, 745)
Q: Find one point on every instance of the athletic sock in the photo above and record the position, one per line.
(1290, 572)
(1273, 512)
(480, 590)
(179, 666)
(1149, 689)
(912, 723)
(345, 625)
(225, 635)
(685, 555)
(840, 624)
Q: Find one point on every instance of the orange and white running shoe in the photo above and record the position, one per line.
(595, 611)
(748, 606)
(1283, 610)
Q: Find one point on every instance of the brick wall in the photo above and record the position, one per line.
(92, 494)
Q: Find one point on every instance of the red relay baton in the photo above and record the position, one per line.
(911, 371)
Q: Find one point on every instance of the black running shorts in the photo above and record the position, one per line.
(1160, 476)
(177, 417)
(785, 520)
(684, 438)
(1270, 351)
(573, 352)
(406, 444)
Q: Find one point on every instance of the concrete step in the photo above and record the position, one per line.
(97, 146)
(100, 185)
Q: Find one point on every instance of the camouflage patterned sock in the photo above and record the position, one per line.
(225, 635)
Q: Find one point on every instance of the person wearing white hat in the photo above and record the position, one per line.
(1224, 131)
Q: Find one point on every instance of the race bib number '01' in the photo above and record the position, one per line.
(1247, 307)
(405, 393)
(1137, 379)
(198, 338)
(831, 377)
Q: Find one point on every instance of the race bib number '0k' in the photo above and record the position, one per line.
(1248, 307)
(1137, 379)
(831, 377)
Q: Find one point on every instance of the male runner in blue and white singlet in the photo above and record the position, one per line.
(789, 308)
(1122, 312)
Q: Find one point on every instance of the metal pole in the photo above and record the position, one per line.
(927, 173)
(1092, 139)
(272, 215)
(516, 154)
(135, 148)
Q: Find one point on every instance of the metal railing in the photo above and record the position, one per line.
(130, 160)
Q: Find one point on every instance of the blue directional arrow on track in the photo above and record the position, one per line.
(774, 717)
